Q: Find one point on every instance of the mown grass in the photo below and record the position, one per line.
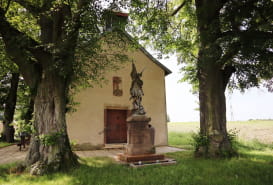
(253, 148)
(253, 166)
(4, 144)
(188, 170)
(181, 140)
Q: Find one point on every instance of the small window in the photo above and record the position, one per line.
(117, 88)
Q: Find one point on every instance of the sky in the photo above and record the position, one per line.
(254, 103)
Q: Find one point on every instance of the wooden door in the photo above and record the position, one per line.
(116, 127)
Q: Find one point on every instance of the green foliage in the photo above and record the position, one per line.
(5, 75)
(24, 104)
(71, 105)
(5, 62)
(168, 34)
(233, 136)
(4, 87)
(245, 37)
(94, 58)
(50, 139)
(73, 143)
(89, 60)
(253, 60)
(25, 22)
(22, 127)
(200, 141)
(4, 144)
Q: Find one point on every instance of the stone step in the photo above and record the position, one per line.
(115, 146)
(154, 162)
(144, 157)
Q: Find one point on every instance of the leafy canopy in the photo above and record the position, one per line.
(84, 22)
(246, 37)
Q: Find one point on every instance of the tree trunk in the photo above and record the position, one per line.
(213, 78)
(8, 130)
(50, 149)
(47, 69)
(29, 113)
(213, 113)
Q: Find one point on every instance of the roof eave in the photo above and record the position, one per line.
(166, 70)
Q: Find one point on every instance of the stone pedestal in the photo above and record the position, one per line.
(140, 138)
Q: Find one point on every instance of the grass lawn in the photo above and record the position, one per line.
(4, 144)
(254, 166)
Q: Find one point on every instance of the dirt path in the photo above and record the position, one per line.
(12, 154)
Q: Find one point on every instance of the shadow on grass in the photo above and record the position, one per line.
(188, 170)
(254, 145)
(258, 157)
(4, 170)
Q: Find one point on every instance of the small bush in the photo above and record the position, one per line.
(200, 141)
(202, 144)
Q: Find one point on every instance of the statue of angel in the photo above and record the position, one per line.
(136, 91)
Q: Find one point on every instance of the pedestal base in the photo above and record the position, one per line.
(143, 157)
(140, 136)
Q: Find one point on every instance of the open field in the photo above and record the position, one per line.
(260, 130)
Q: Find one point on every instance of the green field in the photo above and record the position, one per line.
(260, 130)
(253, 166)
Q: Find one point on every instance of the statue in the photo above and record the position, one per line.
(136, 92)
(140, 134)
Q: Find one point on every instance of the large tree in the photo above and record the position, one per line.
(9, 108)
(9, 78)
(214, 40)
(60, 44)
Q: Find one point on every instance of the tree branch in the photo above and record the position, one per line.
(17, 46)
(47, 5)
(227, 72)
(27, 67)
(19, 39)
(30, 7)
(256, 34)
(76, 21)
(35, 10)
(247, 34)
(231, 52)
(178, 8)
(223, 2)
(7, 8)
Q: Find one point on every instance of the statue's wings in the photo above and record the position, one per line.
(134, 71)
